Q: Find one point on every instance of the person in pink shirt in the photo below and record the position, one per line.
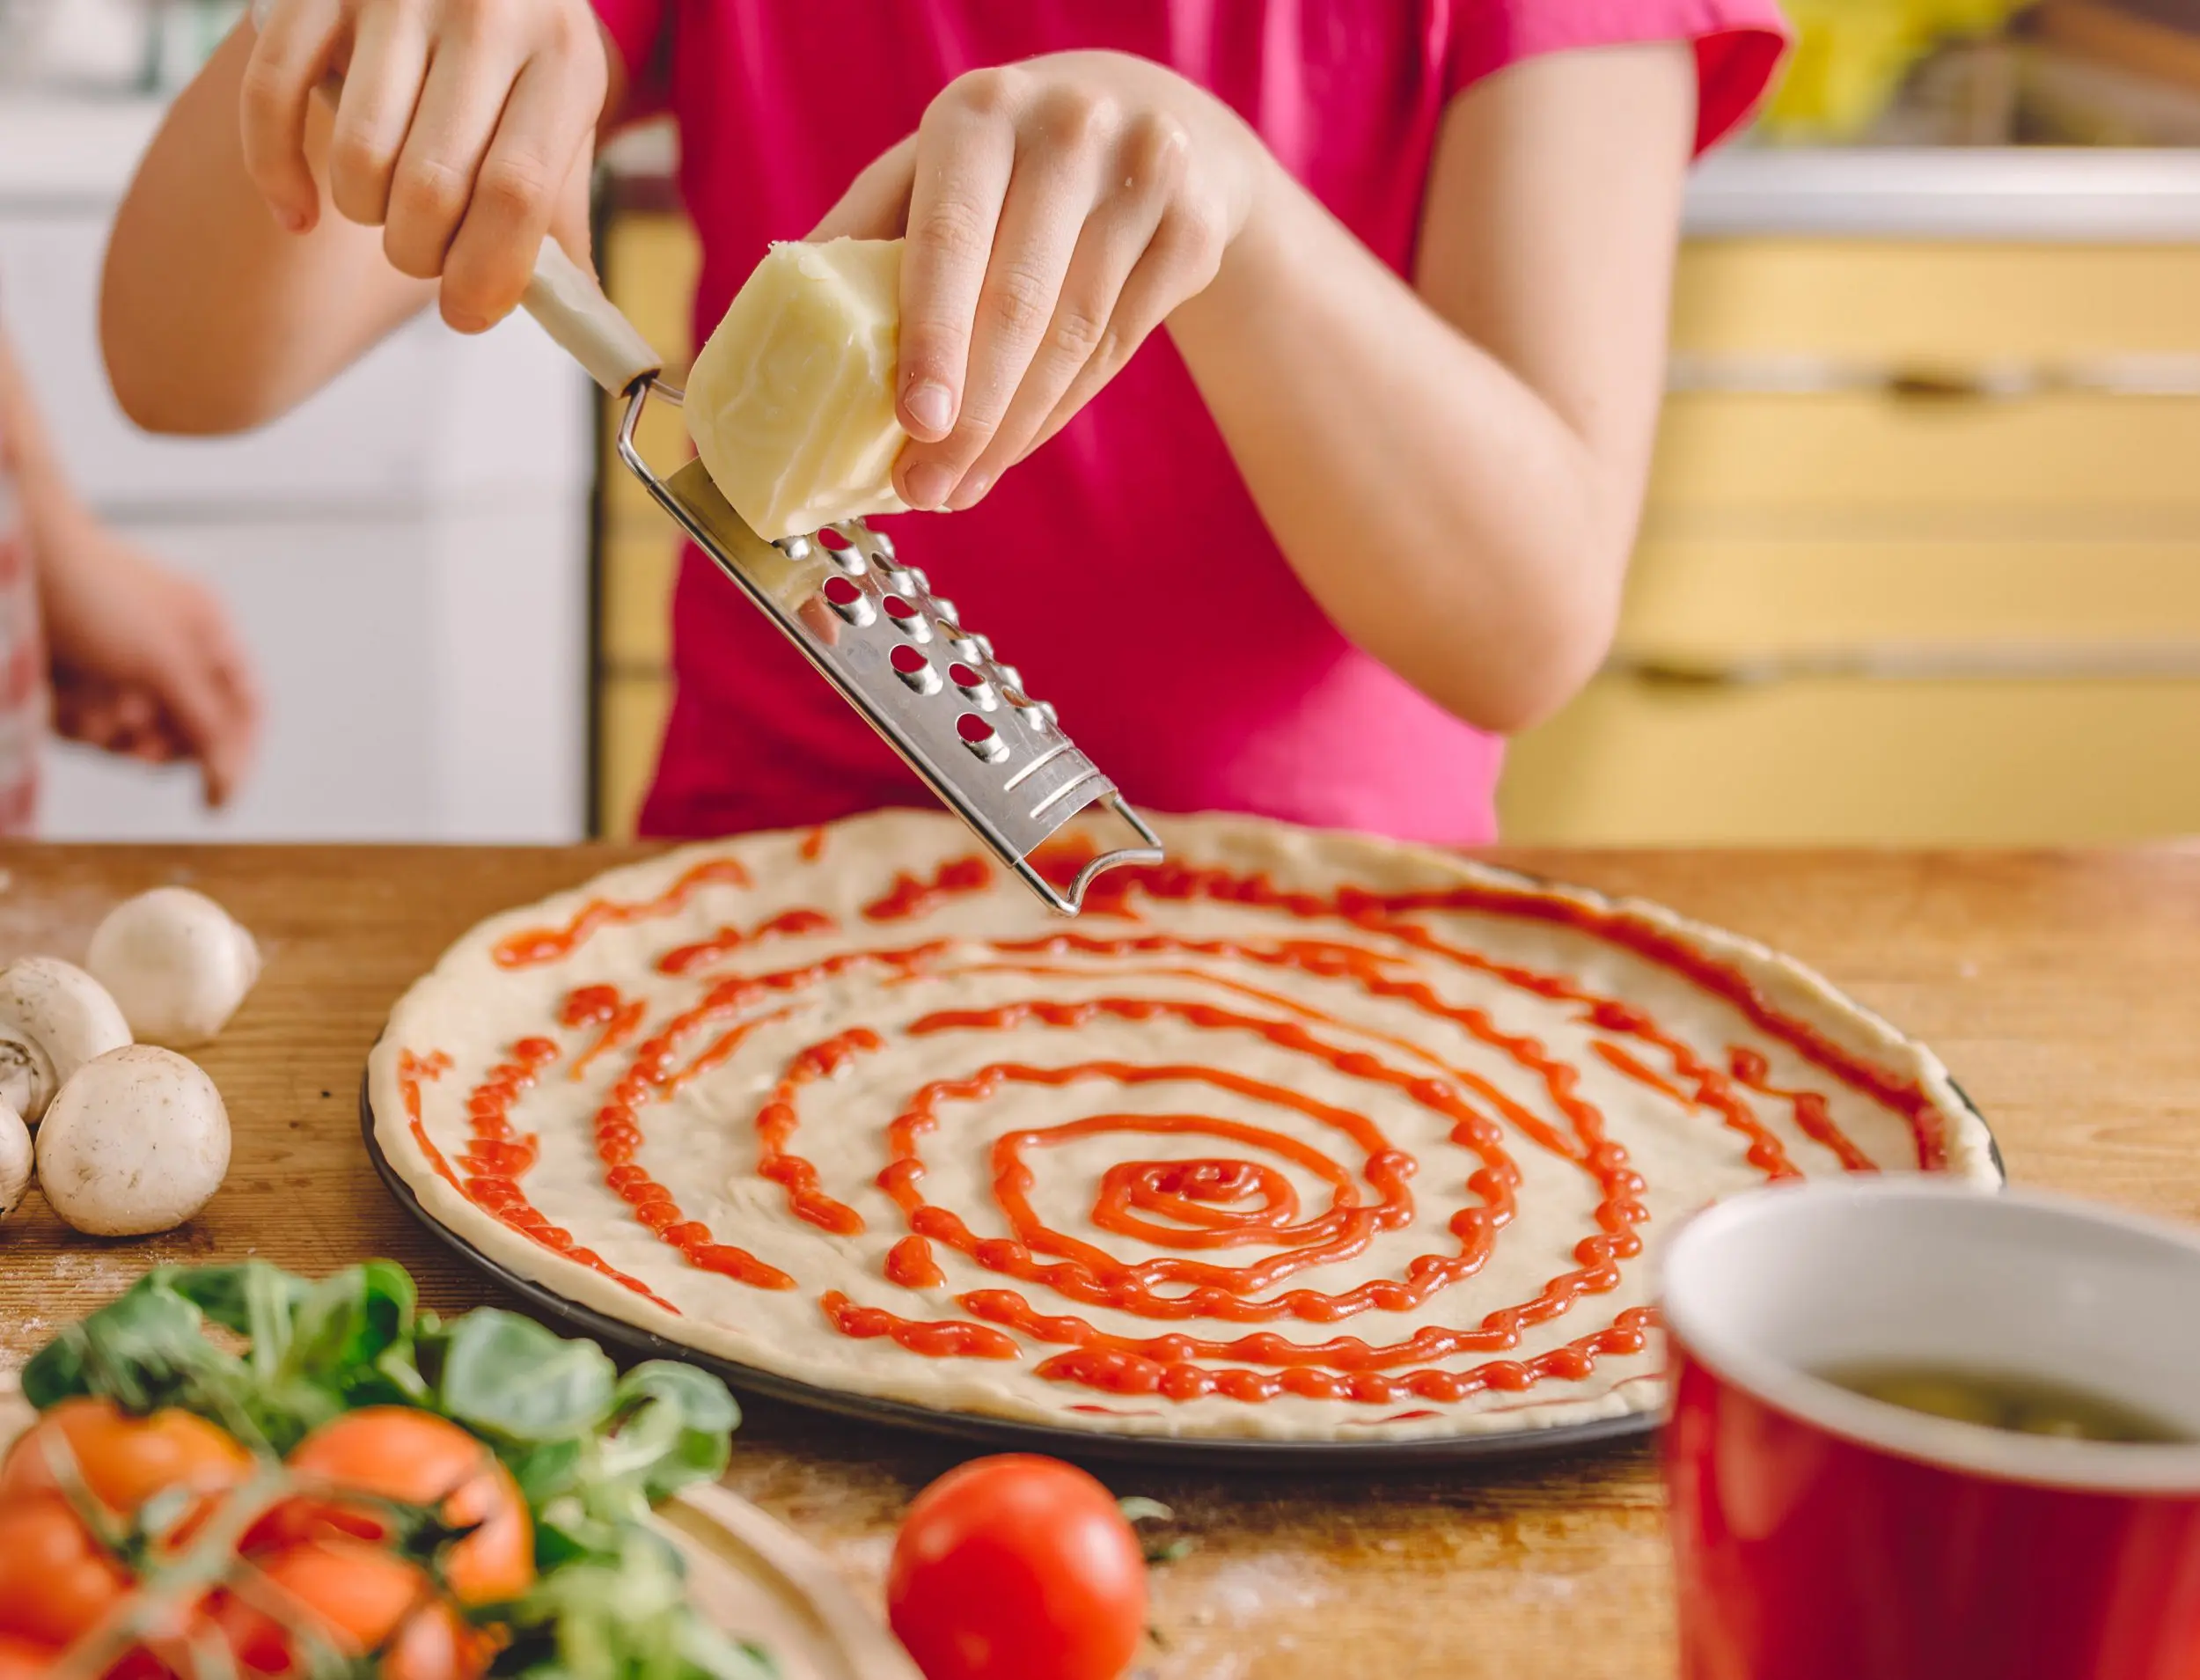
(1286, 369)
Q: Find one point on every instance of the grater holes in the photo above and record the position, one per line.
(907, 620)
(842, 552)
(914, 669)
(845, 598)
(974, 686)
(981, 738)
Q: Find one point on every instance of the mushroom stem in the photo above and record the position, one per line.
(15, 1159)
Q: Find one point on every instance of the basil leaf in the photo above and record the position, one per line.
(511, 1380)
(344, 1324)
(674, 1421)
(622, 1616)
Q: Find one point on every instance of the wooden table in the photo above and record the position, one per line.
(2064, 989)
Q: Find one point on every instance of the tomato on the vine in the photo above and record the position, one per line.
(359, 1598)
(1017, 1568)
(123, 1461)
(24, 1659)
(413, 1459)
(55, 1578)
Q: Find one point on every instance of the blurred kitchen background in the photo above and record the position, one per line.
(1921, 563)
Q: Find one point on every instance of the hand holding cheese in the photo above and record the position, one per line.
(1058, 210)
(791, 402)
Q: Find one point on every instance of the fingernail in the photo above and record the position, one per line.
(932, 406)
(970, 493)
(462, 321)
(928, 485)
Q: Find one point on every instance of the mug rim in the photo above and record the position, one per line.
(2166, 1470)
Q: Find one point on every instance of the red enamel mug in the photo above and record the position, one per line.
(1819, 1535)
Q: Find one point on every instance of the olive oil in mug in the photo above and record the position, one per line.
(2023, 1404)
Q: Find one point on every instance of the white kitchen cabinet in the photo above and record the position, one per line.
(407, 555)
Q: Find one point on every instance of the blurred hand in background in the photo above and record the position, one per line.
(141, 661)
(145, 662)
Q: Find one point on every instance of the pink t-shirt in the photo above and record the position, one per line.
(1124, 567)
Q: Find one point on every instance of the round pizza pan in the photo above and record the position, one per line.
(1206, 1452)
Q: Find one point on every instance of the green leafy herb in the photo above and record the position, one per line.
(621, 1615)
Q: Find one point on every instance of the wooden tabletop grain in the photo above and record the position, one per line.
(2062, 988)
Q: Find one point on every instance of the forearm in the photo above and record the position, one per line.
(49, 505)
(1439, 509)
(213, 317)
(1456, 467)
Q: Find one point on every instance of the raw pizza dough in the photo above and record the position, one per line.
(1304, 1135)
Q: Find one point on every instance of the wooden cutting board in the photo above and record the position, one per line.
(754, 1576)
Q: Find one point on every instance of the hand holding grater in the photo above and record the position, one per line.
(871, 626)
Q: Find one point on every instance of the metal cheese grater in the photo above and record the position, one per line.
(872, 627)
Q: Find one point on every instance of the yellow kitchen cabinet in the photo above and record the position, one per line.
(630, 714)
(1921, 560)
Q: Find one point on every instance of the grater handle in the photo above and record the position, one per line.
(563, 298)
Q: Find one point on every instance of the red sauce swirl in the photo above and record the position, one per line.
(1212, 1229)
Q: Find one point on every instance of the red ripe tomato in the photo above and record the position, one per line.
(1017, 1568)
(124, 1461)
(25, 1660)
(416, 1458)
(359, 1597)
(55, 1579)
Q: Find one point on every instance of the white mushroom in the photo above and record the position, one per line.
(15, 1160)
(177, 962)
(136, 1143)
(54, 1018)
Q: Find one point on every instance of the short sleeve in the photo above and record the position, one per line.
(637, 34)
(1738, 44)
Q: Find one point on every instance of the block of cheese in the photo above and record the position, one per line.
(791, 402)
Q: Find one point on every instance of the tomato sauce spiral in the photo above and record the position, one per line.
(1254, 1214)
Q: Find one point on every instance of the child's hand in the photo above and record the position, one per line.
(1056, 211)
(465, 130)
(145, 663)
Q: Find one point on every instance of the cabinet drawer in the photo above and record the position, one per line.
(630, 721)
(1933, 303)
(1859, 762)
(1739, 598)
(1837, 456)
